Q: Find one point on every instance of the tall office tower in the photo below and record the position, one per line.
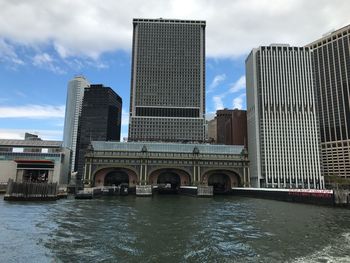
(100, 120)
(331, 61)
(75, 94)
(167, 100)
(232, 127)
(283, 138)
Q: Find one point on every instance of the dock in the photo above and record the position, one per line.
(28, 191)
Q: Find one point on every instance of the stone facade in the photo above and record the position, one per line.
(146, 163)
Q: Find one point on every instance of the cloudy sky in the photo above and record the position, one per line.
(43, 44)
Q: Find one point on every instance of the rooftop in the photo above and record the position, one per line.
(30, 143)
(166, 147)
(163, 20)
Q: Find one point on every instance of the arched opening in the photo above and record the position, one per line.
(116, 178)
(110, 176)
(221, 183)
(168, 182)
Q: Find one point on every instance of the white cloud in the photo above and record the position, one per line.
(89, 28)
(19, 134)
(238, 102)
(219, 105)
(238, 85)
(218, 79)
(32, 111)
(235, 87)
(8, 54)
(45, 61)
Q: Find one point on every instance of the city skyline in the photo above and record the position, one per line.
(35, 68)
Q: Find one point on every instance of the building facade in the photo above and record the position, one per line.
(34, 161)
(150, 163)
(331, 62)
(75, 94)
(283, 137)
(167, 100)
(100, 120)
(231, 127)
(212, 130)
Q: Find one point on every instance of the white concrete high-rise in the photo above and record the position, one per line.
(75, 95)
(283, 139)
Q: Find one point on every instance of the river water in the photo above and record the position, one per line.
(172, 229)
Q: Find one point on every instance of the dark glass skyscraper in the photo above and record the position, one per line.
(167, 101)
(100, 120)
(331, 62)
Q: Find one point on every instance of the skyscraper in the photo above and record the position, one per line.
(167, 101)
(331, 61)
(100, 120)
(75, 94)
(282, 119)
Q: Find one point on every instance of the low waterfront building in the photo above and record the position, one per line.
(34, 161)
(148, 163)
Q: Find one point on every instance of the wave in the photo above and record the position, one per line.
(337, 252)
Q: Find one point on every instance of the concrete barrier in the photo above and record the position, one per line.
(204, 191)
(143, 190)
(308, 196)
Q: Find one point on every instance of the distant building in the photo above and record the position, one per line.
(212, 130)
(231, 127)
(283, 137)
(34, 161)
(331, 66)
(100, 120)
(75, 94)
(167, 101)
(31, 137)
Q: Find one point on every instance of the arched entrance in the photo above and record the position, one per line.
(221, 183)
(221, 180)
(116, 178)
(110, 176)
(169, 180)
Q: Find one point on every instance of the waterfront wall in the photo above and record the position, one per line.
(308, 196)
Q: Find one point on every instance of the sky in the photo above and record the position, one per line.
(44, 44)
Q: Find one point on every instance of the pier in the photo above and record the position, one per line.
(28, 191)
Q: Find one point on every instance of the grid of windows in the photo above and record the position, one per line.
(167, 77)
(168, 129)
(167, 112)
(286, 118)
(332, 81)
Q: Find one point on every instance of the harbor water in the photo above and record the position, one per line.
(172, 228)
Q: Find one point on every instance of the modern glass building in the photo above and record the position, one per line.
(331, 61)
(283, 139)
(167, 100)
(75, 94)
(100, 120)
